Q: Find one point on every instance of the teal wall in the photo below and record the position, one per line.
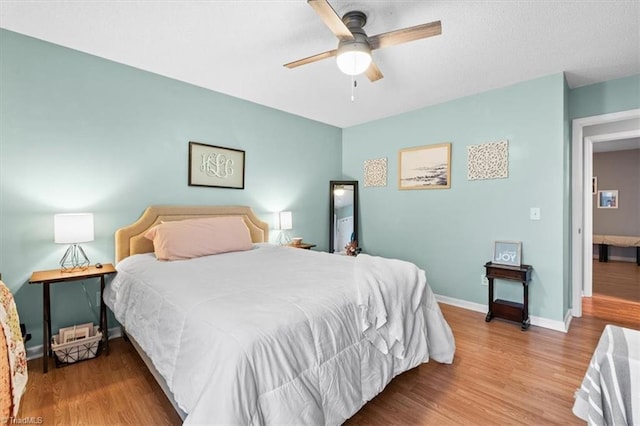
(80, 133)
(621, 94)
(450, 232)
(68, 120)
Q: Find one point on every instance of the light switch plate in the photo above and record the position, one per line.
(534, 213)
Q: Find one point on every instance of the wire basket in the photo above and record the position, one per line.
(78, 350)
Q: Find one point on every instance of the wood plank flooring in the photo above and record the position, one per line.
(500, 375)
(617, 279)
(108, 390)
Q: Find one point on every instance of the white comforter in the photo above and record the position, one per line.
(273, 335)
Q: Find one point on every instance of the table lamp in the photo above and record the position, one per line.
(72, 229)
(284, 222)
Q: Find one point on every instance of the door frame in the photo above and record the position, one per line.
(581, 199)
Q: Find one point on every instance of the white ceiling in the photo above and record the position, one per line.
(239, 47)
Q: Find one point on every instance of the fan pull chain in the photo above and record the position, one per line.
(354, 84)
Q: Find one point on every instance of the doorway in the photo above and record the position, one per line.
(586, 132)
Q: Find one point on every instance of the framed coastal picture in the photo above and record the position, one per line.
(215, 166)
(425, 167)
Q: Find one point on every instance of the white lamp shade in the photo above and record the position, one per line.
(286, 220)
(353, 58)
(73, 228)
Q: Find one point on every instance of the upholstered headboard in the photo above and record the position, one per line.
(130, 239)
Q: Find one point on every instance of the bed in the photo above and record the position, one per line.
(610, 392)
(270, 334)
(604, 241)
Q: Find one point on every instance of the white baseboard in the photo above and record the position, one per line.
(471, 306)
(479, 307)
(36, 351)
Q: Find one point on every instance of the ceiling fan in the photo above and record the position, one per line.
(353, 54)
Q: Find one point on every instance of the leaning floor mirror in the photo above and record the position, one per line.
(343, 215)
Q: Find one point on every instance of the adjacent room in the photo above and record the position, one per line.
(616, 165)
(319, 212)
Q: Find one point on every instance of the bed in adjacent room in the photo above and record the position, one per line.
(266, 334)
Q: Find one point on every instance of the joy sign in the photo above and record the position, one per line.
(507, 253)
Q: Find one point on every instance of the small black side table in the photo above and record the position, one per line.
(512, 311)
(53, 276)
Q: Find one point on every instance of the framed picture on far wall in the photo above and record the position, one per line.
(608, 199)
(425, 167)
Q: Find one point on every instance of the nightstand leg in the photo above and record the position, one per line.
(103, 318)
(46, 327)
(525, 308)
(490, 313)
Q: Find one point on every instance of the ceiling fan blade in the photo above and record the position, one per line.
(405, 35)
(310, 59)
(373, 72)
(331, 19)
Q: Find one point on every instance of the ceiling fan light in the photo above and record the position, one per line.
(353, 58)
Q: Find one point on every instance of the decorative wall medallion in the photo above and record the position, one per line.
(375, 172)
(488, 160)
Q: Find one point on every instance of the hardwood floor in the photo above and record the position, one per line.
(619, 280)
(500, 375)
(108, 390)
(612, 310)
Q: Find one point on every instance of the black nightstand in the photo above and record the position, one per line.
(512, 311)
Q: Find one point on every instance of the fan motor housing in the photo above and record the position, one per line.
(355, 21)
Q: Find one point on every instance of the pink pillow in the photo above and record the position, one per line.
(189, 238)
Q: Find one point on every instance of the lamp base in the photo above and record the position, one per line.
(74, 259)
(284, 239)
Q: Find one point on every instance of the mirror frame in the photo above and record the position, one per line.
(332, 185)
